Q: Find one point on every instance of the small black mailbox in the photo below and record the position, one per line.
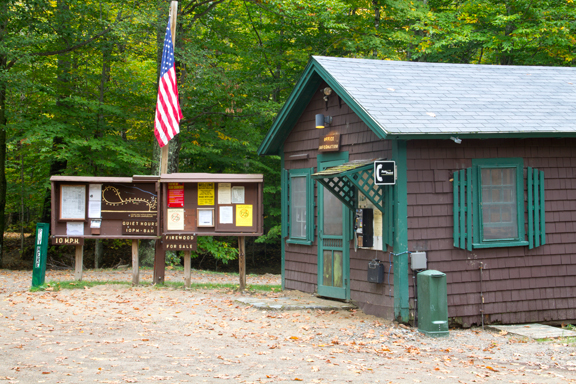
(375, 272)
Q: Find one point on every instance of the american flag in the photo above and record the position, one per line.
(168, 113)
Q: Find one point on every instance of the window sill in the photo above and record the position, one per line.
(500, 244)
(297, 241)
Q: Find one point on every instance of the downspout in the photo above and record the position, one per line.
(401, 291)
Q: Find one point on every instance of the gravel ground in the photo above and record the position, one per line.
(122, 334)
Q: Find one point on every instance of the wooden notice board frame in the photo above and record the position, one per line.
(119, 225)
(251, 184)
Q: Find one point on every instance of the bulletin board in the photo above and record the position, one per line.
(214, 204)
(104, 207)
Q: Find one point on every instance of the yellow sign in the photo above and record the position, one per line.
(205, 193)
(244, 215)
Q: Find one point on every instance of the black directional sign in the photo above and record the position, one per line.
(384, 172)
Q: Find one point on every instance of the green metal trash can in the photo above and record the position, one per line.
(432, 303)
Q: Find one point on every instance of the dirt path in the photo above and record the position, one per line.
(118, 334)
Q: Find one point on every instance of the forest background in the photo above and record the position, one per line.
(78, 81)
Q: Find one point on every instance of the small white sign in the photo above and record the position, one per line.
(175, 219)
(226, 215)
(74, 228)
(224, 193)
(238, 195)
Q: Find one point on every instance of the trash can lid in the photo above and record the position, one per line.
(432, 273)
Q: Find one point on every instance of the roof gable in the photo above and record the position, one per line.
(435, 100)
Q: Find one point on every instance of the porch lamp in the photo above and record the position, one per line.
(322, 121)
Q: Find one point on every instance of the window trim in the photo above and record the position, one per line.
(309, 238)
(477, 166)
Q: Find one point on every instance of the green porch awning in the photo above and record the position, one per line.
(343, 181)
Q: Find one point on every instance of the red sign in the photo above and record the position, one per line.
(175, 195)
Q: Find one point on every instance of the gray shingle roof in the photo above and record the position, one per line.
(405, 98)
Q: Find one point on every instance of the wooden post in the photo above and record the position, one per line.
(242, 262)
(78, 262)
(135, 263)
(159, 263)
(187, 269)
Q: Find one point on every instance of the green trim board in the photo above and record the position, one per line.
(401, 286)
(283, 208)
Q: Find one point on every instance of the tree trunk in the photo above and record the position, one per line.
(3, 127)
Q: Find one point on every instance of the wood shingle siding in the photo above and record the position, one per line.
(519, 284)
(301, 261)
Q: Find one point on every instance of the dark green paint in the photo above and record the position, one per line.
(303, 172)
(401, 293)
(40, 254)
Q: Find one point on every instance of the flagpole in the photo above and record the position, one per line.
(160, 252)
(173, 18)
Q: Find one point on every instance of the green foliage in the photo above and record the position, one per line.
(172, 258)
(80, 77)
(220, 250)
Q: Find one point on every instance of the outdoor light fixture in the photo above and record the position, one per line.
(456, 140)
(322, 121)
(326, 92)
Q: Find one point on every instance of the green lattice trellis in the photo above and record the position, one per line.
(343, 181)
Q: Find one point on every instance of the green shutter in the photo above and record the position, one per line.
(285, 196)
(462, 194)
(536, 215)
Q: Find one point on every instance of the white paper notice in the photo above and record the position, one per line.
(74, 228)
(73, 202)
(224, 193)
(226, 215)
(205, 218)
(95, 201)
(237, 195)
(95, 223)
(176, 219)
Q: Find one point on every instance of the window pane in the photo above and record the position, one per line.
(328, 273)
(298, 207)
(333, 215)
(499, 215)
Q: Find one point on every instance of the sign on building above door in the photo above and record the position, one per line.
(330, 142)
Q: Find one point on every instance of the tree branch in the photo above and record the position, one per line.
(85, 42)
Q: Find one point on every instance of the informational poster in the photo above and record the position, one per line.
(238, 195)
(95, 223)
(205, 193)
(95, 201)
(175, 195)
(226, 215)
(244, 215)
(74, 228)
(224, 193)
(205, 217)
(73, 202)
(175, 219)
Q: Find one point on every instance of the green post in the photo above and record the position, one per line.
(40, 252)
(401, 293)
